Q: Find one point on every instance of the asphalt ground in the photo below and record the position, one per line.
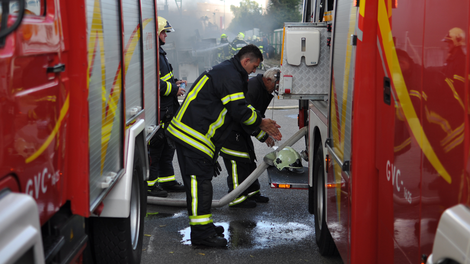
(281, 231)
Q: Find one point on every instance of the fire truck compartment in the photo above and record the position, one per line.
(287, 179)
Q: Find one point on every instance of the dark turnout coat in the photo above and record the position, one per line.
(214, 104)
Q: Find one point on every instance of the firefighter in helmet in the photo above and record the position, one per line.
(238, 43)
(224, 50)
(162, 175)
(455, 61)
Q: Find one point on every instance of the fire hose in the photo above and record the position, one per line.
(240, 188)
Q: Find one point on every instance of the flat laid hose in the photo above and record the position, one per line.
(237, 191)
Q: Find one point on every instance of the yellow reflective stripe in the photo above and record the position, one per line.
(217, 124)
(252, 193)
(152, 183)
(232, 97)
(167, 179)
(193, 133)
(200, 220)
(190, 141)
(235, 153)
(191, 96)
(193, 196)
(167, 76)
(252, 118)
(238, 200)
(261, 135)
(63, 112)
(234, 174)
(168, 89)
(459, 78)
(456, 95)
(402, 93)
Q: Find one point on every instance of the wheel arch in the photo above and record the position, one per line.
(117, 203)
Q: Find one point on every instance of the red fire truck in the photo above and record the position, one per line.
(384, 90)
(74, 123)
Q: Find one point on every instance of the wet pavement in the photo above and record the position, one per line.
(281, 231)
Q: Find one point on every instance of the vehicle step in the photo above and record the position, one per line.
(286, 179)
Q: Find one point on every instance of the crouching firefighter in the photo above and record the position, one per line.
(238, 151)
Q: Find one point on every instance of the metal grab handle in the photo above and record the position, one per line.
(56, 68)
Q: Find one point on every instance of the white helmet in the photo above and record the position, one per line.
(288, 158)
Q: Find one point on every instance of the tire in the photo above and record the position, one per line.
(311, 202)
(119, 240)
(323, 238)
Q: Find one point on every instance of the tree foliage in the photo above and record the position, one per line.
(280, 11)
(246, 16)
(249, 15)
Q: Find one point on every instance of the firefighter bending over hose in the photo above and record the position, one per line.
(238, 151)
(200, 127)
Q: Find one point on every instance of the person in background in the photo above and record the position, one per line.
(199, 129)
(256, 41)
(162, 176)
(238, 43)
(238, 152)
(224, 51)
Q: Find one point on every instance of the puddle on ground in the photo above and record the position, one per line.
(262, 234)
(163, 215)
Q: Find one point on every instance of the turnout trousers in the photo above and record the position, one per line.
(161, 154)
(197, 173)
(237, 173)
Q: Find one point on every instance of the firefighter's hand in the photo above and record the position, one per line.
(181, 92)
(269, 141)
(217, 169)
(271, 127)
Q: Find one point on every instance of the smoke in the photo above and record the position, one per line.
(194, 45)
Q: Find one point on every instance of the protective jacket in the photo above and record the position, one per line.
(239, 145)
(237, 45)
(214, 103)
(168, 89)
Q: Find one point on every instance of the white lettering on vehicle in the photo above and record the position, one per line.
(39, 183)
(394, 173)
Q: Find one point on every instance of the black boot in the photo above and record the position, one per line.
(157, 191)
(219, 230)
(172, 186)
(212, 241)
(259, 198)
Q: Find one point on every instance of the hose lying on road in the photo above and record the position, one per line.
(237, 191)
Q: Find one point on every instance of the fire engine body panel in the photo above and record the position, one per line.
(388, 147)
(74, 121)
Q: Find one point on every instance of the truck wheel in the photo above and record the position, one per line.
(323, 237)
(119, 240)
(311, 202)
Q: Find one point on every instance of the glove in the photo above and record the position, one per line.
(217, 169)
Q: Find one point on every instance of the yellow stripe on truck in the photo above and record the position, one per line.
(402, 92)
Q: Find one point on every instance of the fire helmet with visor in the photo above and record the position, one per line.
(288, 158)
(163, 24)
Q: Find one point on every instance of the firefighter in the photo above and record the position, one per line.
(162, 175)
(455, 61)
(224, 51)
(238, 152)
(238, 43)
(258, 43)
(201, 125)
